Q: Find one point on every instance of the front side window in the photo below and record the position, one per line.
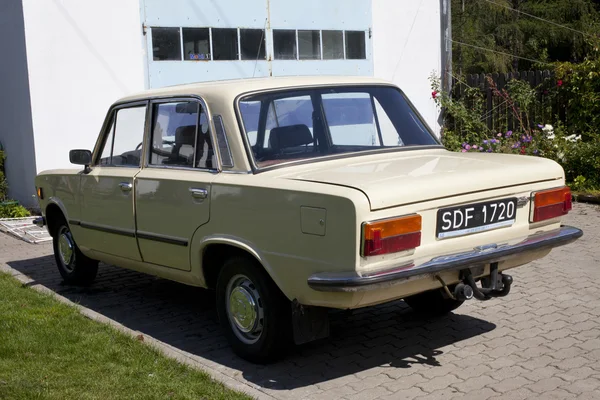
(297, 125)
(180, 136)
(123, 144)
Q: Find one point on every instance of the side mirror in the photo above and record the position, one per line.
(80, 157)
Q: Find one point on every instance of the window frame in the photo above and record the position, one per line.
(108, 126)
(248, 148)
(148, 137)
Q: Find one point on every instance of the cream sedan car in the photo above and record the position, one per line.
(292, 196)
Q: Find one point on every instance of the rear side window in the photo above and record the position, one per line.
(123, 145)
(180, 136)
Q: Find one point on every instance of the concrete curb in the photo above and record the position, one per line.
(209, 367)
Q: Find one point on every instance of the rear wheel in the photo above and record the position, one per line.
(74, 267)
(254, 314)
(433, 303)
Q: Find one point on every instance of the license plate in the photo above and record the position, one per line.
(473, 218)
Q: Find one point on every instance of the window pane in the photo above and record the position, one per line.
(224, 150)
(196, 43)
(333, 45)
(284, 44)
(357, 119)
(166, 44)
(350, 118)
(355, 45)
(252, 42)
(205, 155)
(174, 134)
(105, 157)
(309, 45)
(225, 44)
(129, 134)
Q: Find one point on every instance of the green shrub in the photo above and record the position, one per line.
(583, 161)
(13, 211)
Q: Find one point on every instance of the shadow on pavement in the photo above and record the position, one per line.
(389, 335)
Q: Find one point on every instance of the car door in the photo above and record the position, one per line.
(107, 191)
(173, 189)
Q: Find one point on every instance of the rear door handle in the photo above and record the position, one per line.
(125, 186)
(199, 193)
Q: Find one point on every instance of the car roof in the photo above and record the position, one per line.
(229, 89)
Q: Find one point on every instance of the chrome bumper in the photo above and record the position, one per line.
(481, 255)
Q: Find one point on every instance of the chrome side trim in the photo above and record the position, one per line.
(162, 238)
(108, 229)
(353, 282)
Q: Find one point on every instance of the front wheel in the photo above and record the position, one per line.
(433, 303)
(74, 267)
(254, 314)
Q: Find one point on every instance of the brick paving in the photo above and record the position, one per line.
(542, 341)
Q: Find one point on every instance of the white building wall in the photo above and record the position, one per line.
(407, 49)
(81, 56)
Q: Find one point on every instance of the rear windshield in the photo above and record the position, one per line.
(296, 125)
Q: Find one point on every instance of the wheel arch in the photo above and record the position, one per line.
(55, 212)
(216, 250)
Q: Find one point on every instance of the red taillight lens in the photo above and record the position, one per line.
(551, 204)
(391, 235)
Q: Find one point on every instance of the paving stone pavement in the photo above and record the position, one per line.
(542, 341)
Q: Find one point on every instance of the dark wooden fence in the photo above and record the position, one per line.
(497, 114)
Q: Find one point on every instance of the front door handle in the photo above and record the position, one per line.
(125, 186)
(199, 193)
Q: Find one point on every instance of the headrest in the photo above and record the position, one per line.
(185, 135)
(290, 136)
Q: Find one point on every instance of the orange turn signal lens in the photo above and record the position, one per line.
(392, 227)
(391, 235)
(551, 203)
(40, 193)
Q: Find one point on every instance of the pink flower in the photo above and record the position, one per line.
(464, 150)
(559, 82)
(499, 135)
(474, 147)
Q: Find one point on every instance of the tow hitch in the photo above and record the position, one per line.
(496, 284)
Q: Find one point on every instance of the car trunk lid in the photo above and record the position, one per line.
(395, 179)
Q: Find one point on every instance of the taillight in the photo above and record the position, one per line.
(391, 235)
(551, 203)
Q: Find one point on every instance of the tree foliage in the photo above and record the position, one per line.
(494, 25)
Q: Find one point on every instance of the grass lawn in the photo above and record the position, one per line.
(50, 351)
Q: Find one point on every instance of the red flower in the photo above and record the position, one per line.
(434, 94)
(559, 82)
(523, 150)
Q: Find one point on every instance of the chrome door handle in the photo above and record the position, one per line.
(199, 193)
(125, 186)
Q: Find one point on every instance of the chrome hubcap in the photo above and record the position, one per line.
(244, 309)
(65, 247)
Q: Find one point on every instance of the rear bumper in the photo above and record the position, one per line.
(481, 255)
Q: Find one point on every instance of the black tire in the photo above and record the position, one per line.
(74, 267)
(268, 322)
(433, 303)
